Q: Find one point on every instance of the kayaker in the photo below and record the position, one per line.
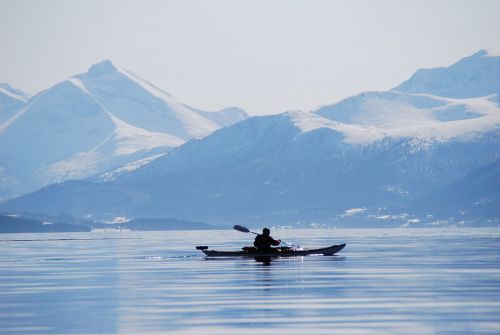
(264, 241)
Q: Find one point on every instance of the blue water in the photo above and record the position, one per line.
(391, 281)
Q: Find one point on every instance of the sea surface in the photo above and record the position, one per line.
(386, 281)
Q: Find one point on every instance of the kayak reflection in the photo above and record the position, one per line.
(265, 260)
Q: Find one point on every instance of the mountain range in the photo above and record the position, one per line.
(424, 153)
(92, 123)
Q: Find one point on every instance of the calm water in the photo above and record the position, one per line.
(397, 281)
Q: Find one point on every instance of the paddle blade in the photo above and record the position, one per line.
(242, 229)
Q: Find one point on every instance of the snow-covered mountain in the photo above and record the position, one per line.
(94, 122)
(434, 104)
(141, 104)
(372, 157)
(293, 166)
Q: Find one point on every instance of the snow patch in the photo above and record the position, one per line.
(396, 189)
(483, 201)
(118, 220)
(353, 211)
(387, 217)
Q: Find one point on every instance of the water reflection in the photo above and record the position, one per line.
(264, 260)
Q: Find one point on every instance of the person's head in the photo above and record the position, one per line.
(266, 232)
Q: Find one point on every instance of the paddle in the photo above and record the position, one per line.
(246, 230)
(243, 229)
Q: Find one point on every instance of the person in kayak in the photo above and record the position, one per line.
(264, 241)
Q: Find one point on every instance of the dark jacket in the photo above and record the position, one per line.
(263, 242)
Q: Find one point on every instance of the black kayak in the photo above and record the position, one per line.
(276, 252)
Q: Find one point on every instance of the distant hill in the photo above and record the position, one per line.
(165, 224)
(39, 223)
(9, 224)
(475, 197)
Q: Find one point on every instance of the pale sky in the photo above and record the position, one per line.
(265, 56)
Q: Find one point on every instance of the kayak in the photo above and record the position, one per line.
(276, 252)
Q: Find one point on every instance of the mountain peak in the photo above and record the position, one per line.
(101, 68)
(481, 53)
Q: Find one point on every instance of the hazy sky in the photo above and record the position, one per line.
(265, 56)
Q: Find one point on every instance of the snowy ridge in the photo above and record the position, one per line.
(129, 137)
(224, 117)
(151, 88)
(359, 134)
(12, 101)
(207, 120)
(9, 121)
(141, 104)
(198, 126)
(14, 92)
(199, 121)
(422, 116)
